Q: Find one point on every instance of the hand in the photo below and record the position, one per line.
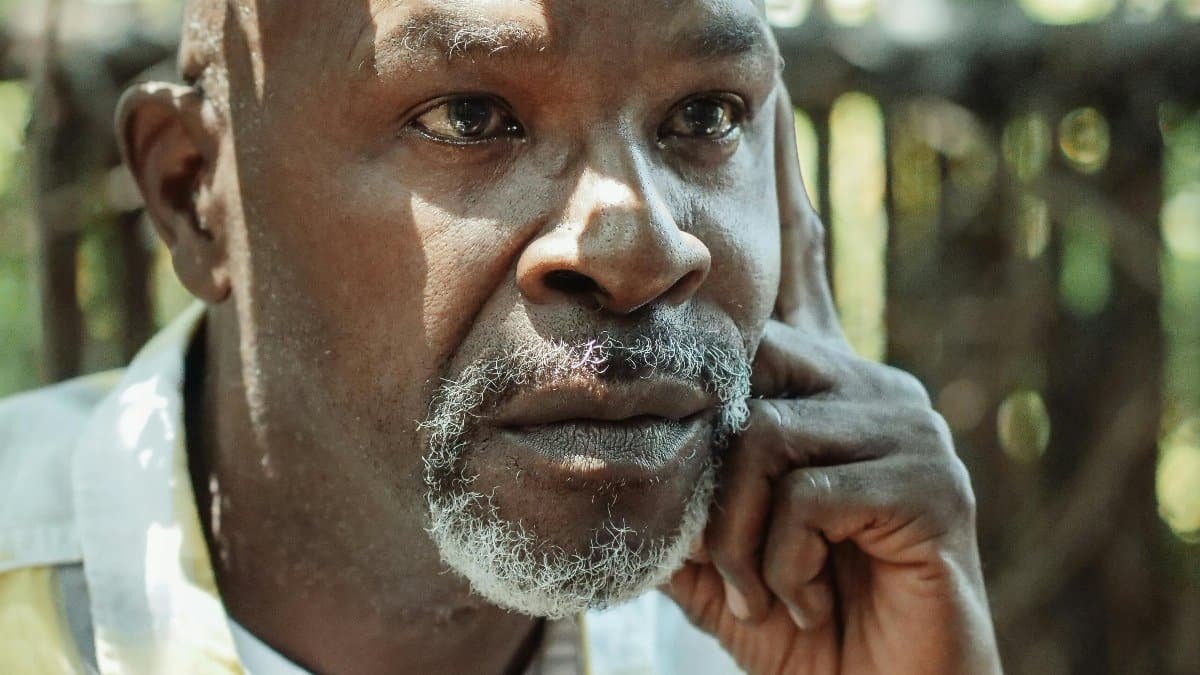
(842, 539)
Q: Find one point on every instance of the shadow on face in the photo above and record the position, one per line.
(568, 205)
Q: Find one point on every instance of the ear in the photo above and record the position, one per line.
(172, 154)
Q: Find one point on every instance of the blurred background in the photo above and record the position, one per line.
(1012, 190)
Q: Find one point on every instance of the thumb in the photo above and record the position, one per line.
(791, 363)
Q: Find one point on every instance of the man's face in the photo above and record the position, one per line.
(503, 268)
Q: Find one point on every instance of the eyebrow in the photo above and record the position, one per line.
(449, 36)
(723, 36)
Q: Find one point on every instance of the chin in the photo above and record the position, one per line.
(565, 477)
(557, 545)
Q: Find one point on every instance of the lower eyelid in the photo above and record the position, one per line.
(446, 141)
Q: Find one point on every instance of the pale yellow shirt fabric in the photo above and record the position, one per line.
(104, 567)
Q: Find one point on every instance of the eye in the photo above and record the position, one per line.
(709, 117)
(463, 120)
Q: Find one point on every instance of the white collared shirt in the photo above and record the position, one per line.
(104, 567)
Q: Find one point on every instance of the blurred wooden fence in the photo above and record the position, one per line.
(1021, 178)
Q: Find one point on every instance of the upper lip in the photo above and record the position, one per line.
(601, 400)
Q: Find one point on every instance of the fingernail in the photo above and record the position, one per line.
(737, 602)
(798, 617)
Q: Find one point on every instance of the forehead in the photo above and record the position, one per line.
(412, 30)
(557, 16)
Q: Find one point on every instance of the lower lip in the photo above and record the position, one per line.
(636, 450)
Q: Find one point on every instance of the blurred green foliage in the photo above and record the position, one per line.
(1024, 245)
(19, 333)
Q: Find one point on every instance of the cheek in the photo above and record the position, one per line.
(739, 222)
(391, 267)
(469, 258)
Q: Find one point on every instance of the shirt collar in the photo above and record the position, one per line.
(155, 606)
(154, 597)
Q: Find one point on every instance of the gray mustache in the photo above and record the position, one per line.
(717, 364)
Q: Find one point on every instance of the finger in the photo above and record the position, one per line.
(697, 589)
(786, 434)
(804, 295)
(698, 553)
(808, 432)
(791, 363)
(795, 567)
(895, 510)
(781, 435)
(737, 522)
(796, 363)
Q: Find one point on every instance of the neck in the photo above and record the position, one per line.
(334, 584)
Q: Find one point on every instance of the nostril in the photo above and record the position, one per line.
(685, 287)
(570, 282)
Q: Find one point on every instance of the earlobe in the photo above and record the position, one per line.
(171, 154)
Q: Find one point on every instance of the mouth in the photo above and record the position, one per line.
(633, 432)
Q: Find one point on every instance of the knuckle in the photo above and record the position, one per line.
(766, 414)
(760, 432)
(960, 495)
(783, 581)
(733, 562)
(763, 420)
(807, 486)
(930, 431)
(906, 385)
(892, 384)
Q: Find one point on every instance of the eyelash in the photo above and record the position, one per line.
(740, 113)
(501, 105)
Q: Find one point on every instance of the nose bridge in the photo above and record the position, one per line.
(616, 240)
(599, 199)
(613, 181)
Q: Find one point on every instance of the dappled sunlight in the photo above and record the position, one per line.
(1179, 460)
(1023, 426)
(1011, 192)
(850, 12)
(14, 111)
(858, 176)
(788, 13)
(1178, 480)
(1181, 224)
(1083, 139)
(143, 403)
(1032, 232)
(1026, 145)
(1189, 9)
(1068, 11)
(1085, 272)
(810, 158)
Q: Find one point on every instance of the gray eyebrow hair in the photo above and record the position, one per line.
(453, 35)
(450, 35)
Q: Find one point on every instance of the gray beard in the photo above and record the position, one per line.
(508, 563)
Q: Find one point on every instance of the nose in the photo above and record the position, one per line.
(615, 245)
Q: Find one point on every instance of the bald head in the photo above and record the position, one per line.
(203, 59)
